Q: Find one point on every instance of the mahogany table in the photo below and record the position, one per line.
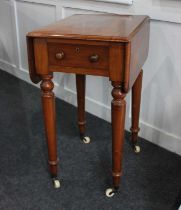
(114, 46)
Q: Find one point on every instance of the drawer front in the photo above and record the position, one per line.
(78, 55)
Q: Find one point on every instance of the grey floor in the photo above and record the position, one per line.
(150, 181)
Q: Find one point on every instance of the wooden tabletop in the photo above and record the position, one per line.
(104, 27)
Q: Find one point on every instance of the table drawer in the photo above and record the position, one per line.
(78, 55)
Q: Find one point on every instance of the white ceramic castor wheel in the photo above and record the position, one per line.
(110, 192)
(137, 149)
(56, 183)
(86, 140)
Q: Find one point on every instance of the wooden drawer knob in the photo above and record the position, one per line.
(94, 58)
(60, 55)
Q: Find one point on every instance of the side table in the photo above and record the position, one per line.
(114, 46)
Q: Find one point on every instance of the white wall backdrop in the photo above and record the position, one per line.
(161, 101)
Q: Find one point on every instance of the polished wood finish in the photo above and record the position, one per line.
(129, 41)
(100, 27)
(41, 56)
(31, 61)
(118, 120)
(136, 100)
(114, 46)
(80, 85)
(136, 54)
(79, 55)
(48, 104)
(116, 62)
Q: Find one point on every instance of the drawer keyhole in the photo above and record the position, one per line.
(77, 49)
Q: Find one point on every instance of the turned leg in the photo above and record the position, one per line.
(80, 84)
(118, 121)
(48, 104)
(136, 99)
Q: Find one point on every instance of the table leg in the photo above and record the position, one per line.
(80, 84)
(136, 100)
(48, 104)
(118, 121)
